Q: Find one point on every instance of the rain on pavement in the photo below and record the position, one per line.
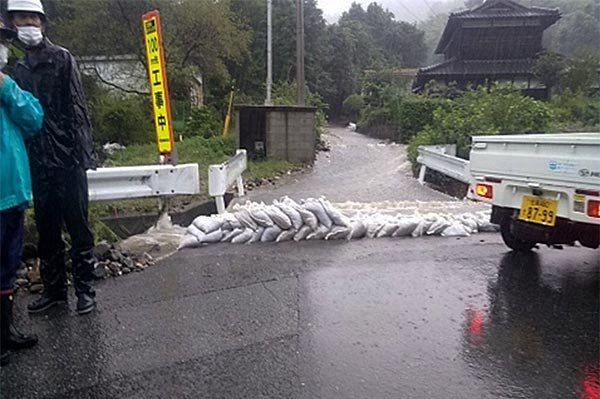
(390, 318)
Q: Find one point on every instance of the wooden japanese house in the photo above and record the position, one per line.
(497, 41)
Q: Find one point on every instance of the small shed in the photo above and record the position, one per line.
(277, 132)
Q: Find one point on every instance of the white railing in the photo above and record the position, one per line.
(142, 181)
(222, 176)
(442, 159)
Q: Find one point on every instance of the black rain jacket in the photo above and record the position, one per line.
(50, 73)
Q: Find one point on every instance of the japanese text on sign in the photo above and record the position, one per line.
(158, 82)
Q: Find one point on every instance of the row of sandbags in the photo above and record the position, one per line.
(318, 219)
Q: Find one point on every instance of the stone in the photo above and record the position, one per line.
(114, 255)
(114, 267)
(102, 250)
(126, 270)
(100, 270)
(36, 288)
(128, 263)
(22, 273)
(34, 276)
(22, 281)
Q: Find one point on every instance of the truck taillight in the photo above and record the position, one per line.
(484, 190)
(593, 208)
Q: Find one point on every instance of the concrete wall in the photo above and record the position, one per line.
(291, 135)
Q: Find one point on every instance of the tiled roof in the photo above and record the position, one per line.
(492, 9)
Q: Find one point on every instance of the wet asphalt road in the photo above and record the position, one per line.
(406, 318)
(390, 318)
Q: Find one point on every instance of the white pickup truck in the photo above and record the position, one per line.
(543, 188)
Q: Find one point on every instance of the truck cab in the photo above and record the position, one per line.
(543, 188)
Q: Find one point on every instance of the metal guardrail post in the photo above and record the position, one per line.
(223, 176)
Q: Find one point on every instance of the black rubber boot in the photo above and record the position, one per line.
(13, 339)
(54, 276)
(45, 302)
(83, 276)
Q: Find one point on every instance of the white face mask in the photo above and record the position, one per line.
(30, 36)
(3, 56)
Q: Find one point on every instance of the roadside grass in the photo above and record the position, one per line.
(198, 150)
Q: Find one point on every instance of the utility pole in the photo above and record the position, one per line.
(301, 97)
(268, 100)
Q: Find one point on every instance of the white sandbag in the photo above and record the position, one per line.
(260, 217)
(470, 223)
(257, 235)
(212, 238)
(359, 230)
(309, 218)
(487, 227)
(406, 227)
(244, 237)
(303, 233)
(456, 229)
(422, 228)
(270, 234)
(286, 235)
(338, 233)
(230, 235)
(245, 219)
(230, 222)
(373, 228)
(387, 230)
(438, 226)
(279, 218)
(196, 232)
(188, 241)
(315, 207)
(291, 213)
(336, 216)
(207, 224)
(318, 234)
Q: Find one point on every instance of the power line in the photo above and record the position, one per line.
(409, 11)
(431, 8)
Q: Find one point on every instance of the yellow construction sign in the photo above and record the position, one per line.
(159, 88)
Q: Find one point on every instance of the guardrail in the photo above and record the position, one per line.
(222, 176)
(442, 159)
(142, 181)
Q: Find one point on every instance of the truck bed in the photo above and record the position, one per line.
(566, 159)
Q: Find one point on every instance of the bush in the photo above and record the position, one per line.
(412, 114)
(203, 121)
(482, 111)
(569, 107)
(125, 120)
(352, 106)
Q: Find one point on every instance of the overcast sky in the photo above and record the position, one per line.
(406, 10)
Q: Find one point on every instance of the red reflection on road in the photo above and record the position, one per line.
(475, 322)
(590, 385)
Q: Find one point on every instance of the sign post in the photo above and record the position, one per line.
(159, 87)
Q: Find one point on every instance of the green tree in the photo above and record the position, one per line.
(549, 68)
(581, 74)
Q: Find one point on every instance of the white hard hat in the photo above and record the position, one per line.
(25, 6)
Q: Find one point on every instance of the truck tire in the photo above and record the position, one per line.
(514, 243)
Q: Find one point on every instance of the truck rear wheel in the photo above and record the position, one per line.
(513, 242)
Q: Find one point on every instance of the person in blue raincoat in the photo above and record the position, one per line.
(21, 117)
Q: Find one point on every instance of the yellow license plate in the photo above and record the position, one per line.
(538, 210)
